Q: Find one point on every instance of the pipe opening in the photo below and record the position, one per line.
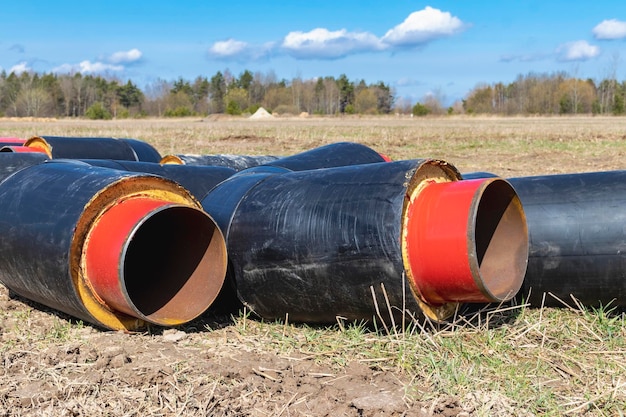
(174, 265)
(501, 241)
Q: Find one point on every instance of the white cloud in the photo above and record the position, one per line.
(116, 62)
(87, 67)
(577, 51)
(418, 28)
(20, 68)
(610, 29)
(321, 43)
(232, 49)
(125, 57)
(422, 27)
(228, 48)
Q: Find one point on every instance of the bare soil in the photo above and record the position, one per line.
(50, 364)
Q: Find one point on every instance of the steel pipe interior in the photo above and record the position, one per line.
(176, 276)
(501, 240)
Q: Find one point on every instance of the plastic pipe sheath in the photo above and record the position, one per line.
(198, 180)
(577, 226)
(327, 156)
(236, 162)
(94, 148)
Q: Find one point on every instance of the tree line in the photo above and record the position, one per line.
(548, 94)
(99, 97)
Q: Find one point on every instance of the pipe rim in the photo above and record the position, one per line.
(8, 139)
(489, 260)
(426, 173)
(154, 260)
(40, 143)
(172, 160)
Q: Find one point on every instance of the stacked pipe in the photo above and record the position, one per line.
(337, 220)
(336, 231)
(237, 162)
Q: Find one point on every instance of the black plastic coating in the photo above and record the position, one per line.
(39, 209)
(143, 151)
(11, 162)
(577, 228)
(198, 180)
(94, 148)
(236, 162)
(311, 245)
(328, 156)
(220, 203)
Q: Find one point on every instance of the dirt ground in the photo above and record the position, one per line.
(58, 367)
(50, 364)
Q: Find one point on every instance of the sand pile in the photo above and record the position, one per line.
(261, 113)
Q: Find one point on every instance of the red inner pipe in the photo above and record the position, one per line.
(106, 245)
(467, 241)
(385, 157)
(155, 260)
(12, 140)
(12, 148)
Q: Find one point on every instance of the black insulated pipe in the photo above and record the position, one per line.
(316, 245)
(93, 148)
(236, 162)
(222, 201)
(198, 180)
(112, 248)
(327, 156)
(10, 163)
(577, 227)
(333, 155)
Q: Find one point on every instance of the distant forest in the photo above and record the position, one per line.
(93, 96)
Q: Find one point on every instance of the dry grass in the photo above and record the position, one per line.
(502, 361)
(507, 146)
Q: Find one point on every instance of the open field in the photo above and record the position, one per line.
(489, 361)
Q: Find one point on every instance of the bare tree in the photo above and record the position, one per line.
(34, 102)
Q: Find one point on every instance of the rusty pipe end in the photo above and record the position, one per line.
(40, 144)
(172, 160)
(466, 241)
(160, 262)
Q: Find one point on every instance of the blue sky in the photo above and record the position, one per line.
(419, 48)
